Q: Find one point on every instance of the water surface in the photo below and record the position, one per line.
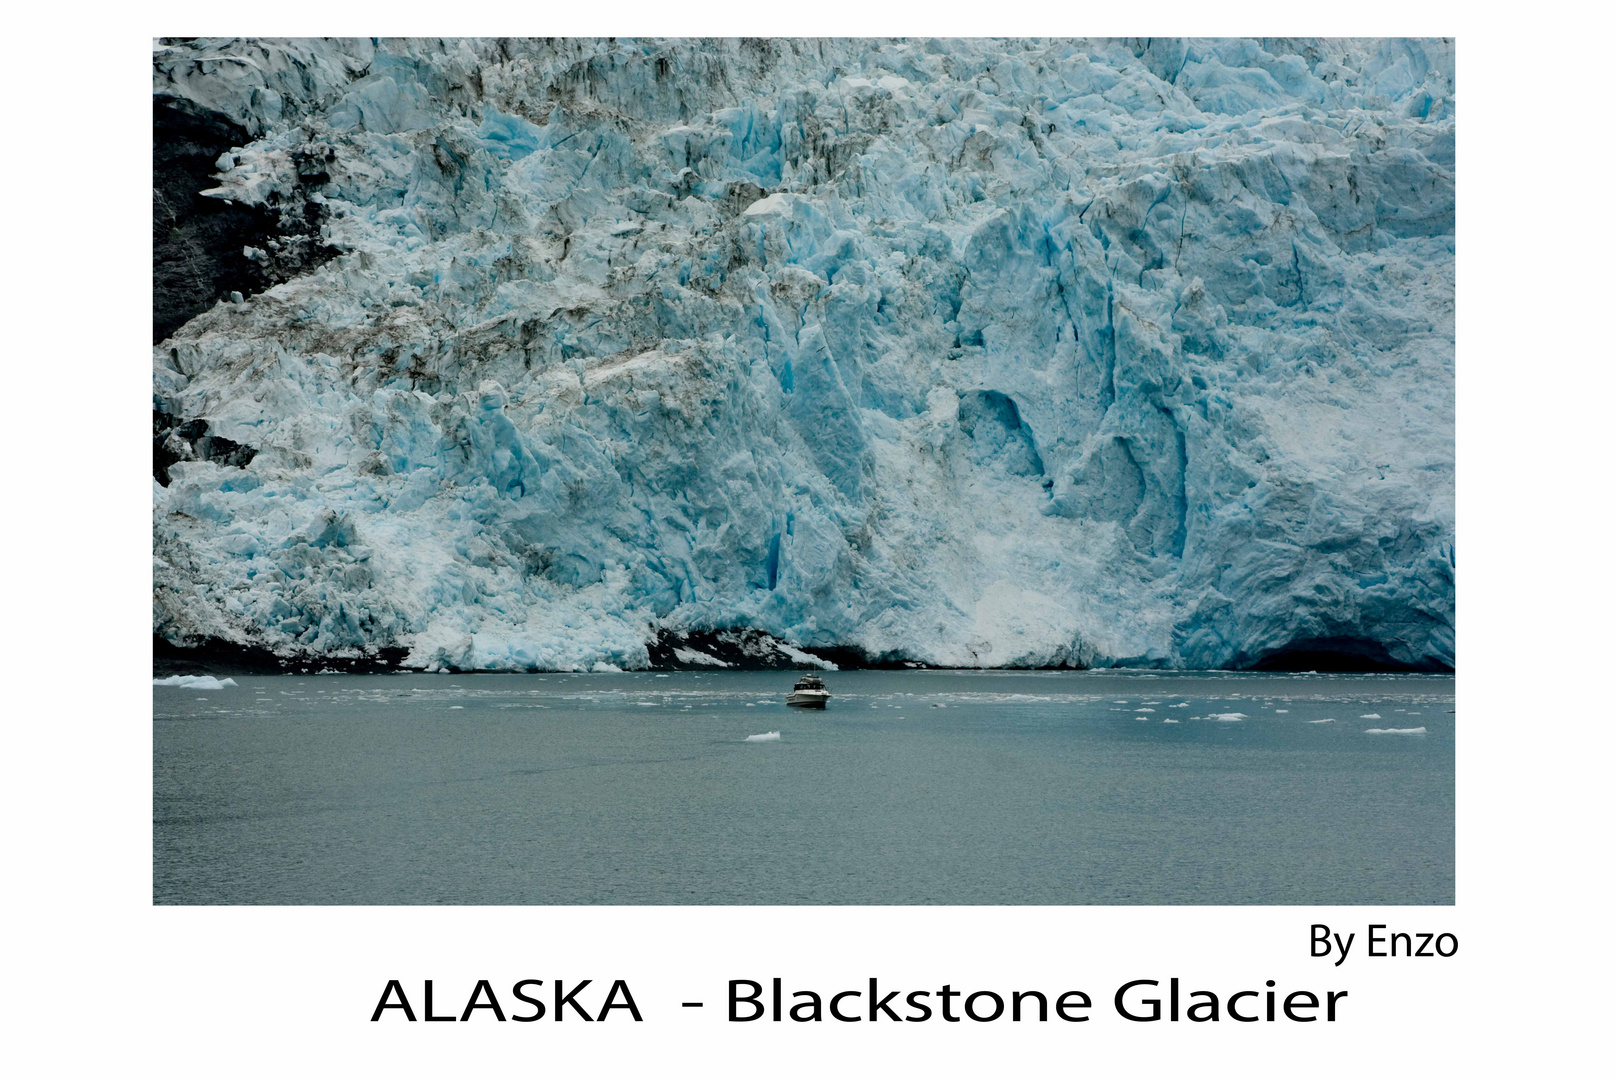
(914, 787)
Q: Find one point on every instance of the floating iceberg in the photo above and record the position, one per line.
(768, 736)
(967, 353)
(1395, 731)
(195, 682)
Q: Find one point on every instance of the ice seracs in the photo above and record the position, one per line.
(982, 353)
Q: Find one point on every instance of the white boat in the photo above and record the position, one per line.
(809, 693)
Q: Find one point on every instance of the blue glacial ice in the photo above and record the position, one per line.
(977, 353)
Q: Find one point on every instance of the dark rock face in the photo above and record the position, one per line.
(753, 650)
(231, 658)
(197, 242)
(175, 440)
(1341, 654)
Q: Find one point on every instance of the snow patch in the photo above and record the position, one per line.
(778, 203)
(697, 656)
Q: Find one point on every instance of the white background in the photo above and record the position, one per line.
(97, 980)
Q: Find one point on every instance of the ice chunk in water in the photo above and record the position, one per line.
(195, 682)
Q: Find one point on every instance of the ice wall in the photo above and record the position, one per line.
(963, 352)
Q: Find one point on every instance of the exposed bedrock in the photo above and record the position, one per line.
(206, 249)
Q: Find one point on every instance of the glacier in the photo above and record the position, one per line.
(950, 352)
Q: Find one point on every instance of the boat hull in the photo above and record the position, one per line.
(807, 701)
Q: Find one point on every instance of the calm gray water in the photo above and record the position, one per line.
(916, 787)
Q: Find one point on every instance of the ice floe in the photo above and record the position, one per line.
(195, 682)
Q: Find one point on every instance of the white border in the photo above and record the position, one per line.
(101, 980)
